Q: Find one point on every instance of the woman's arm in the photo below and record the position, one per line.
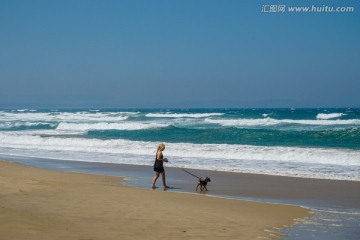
(161, 159)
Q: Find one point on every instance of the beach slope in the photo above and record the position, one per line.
(44, 204)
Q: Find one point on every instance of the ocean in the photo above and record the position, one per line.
(309, 143)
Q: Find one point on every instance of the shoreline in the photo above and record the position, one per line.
(309, 192)
(40, 203)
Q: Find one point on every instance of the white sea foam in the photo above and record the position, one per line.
(329, 115)
(65, 116)
(182, 115)
(8, 125)
(110, 126)
(272, 122)
(289, 161)
(24, 110)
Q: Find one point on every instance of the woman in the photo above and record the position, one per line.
(158, 166)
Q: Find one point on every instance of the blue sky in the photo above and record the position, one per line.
(198, 53)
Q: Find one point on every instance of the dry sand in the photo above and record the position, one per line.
(44, 204)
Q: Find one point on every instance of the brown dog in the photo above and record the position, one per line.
(202, 183)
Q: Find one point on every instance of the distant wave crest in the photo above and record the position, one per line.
(182, 115)
(271, 122)
(109, 126)
(329, 115)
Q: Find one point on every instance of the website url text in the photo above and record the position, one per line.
(306, 9)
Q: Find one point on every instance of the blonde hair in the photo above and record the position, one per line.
(161, 147)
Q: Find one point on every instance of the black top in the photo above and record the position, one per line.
(158, 165)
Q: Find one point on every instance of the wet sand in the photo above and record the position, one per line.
(290, 190)
(45, 204)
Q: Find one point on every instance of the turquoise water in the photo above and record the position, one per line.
(269, 141)
(337, 128)
(261, 127)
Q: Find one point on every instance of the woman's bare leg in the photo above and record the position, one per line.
(164, 179)
(154, 179)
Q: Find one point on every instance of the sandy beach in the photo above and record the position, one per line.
(45, 204)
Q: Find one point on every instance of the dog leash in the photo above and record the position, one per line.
(190, 173)
(185, 171)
